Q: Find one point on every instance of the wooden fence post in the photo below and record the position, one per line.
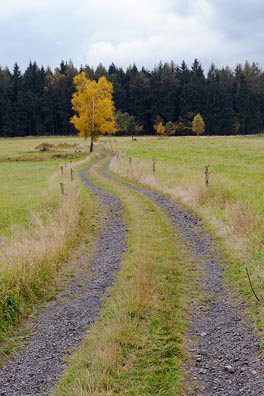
(61, 170)
(72, 178)
(154, 165)
(206, 175)
(62, 189)
(130, 160)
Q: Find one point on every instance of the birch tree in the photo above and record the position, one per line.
(198, 125)
(94, 106)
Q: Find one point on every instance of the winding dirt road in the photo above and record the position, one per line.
(61, 327)
(225, 353)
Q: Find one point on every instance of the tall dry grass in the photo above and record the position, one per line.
(236, 222)
(30, 258)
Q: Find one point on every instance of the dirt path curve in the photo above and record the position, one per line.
(62, 326)
(226, 356)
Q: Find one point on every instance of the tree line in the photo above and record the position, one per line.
(231, 101)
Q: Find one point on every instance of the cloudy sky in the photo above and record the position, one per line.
(225, 32)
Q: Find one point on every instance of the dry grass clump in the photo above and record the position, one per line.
(49, 151)
(134, 171)
(48, 156)
(30, 257)
(67, 145)
(218, 194)
(242, 219)
(45, 146)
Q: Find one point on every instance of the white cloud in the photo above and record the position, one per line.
(159, 34)
(12, 7)
(125, 31)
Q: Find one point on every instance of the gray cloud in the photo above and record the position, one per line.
(123, 32)
(45, 34)
(241, 24)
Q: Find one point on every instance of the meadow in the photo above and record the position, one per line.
(36, 224)
(25, 174)
(113, 359)
(39, 228)
(232, 205)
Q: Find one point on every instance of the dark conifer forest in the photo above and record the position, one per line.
(231, 101)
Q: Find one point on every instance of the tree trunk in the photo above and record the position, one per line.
(91, 145)
(93, 132)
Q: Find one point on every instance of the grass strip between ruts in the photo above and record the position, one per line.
(136, 347)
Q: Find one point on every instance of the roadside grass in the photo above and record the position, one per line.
(136, 346)
(232, 206)
(44, 227)
(25, 188)
(15, 147)
(48, 275)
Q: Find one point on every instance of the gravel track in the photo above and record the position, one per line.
(61, 327)
(225, 356)
(226, 359)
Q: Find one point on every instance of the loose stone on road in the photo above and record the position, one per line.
(225, 353)
(61, 327)
(226, 357)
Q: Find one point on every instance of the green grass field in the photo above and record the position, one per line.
(232, 206)
(25, 174)
(232, 211)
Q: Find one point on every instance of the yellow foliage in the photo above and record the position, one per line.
(198, 125)
(160, 128)
(94, 104)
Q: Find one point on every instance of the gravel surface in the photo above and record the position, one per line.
(61, 327)
(225, 356)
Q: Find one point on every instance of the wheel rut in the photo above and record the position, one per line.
(61, 327)
(225, 352)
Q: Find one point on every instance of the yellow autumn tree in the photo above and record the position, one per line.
(159, 128)
(198, 125)
(94, 104)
